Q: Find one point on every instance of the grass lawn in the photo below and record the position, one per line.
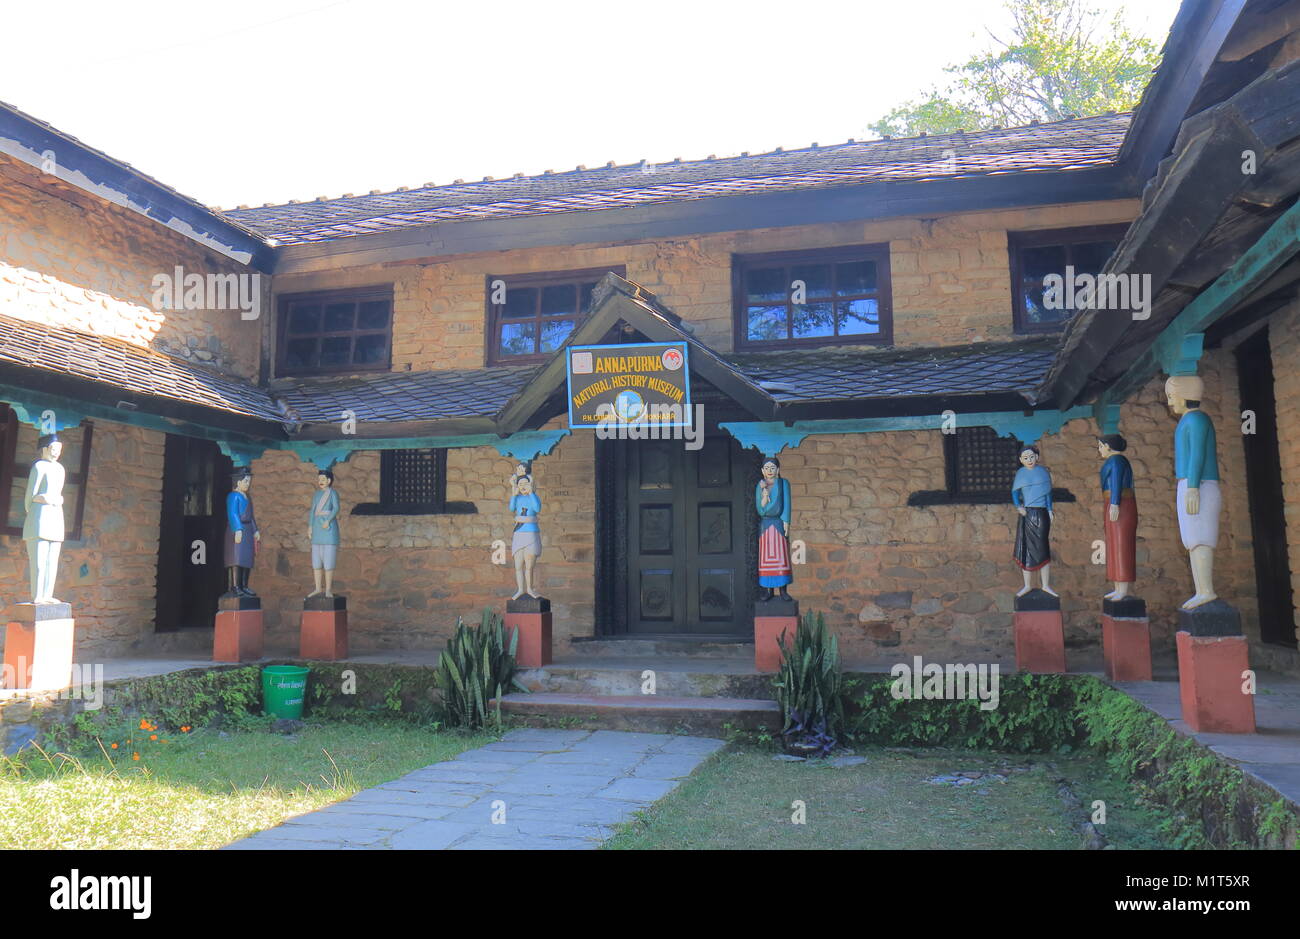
(742, 799)
(203, 789)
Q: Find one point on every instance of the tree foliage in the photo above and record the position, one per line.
(1061, 59)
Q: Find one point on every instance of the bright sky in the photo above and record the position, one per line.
(252, 101)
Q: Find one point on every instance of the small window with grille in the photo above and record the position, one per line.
(980, 462)
(413, 482)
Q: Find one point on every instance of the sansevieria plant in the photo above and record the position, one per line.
(809, 688)
(476, 668)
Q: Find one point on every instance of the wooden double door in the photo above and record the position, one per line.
(686, 536)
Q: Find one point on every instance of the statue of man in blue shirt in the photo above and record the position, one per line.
(1197, 469)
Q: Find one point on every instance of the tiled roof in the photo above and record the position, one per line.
(1061, 145)
(129, 367)
(405, 396)
(987, 368)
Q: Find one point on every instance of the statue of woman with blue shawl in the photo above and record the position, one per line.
(772, 500)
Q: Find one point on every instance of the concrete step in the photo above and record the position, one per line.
(725, 647)
(672, 676)
(647, 713)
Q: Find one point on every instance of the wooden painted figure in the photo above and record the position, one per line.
(772, 500)
(1031, 493)
(43, 526)
(526, 545)
(1119, 514)
(242, 534)
(324, 532)
(1197, 469)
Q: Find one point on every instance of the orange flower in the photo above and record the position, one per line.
(185, 729)
(145, 725)
(135, 756)
(153, 736)
(114, 746)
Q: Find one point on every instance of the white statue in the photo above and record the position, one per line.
(43, 527)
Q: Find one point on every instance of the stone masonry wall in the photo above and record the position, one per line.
(407, 578)
(110, 575)
(69, 259)
(951, 278)
(939, 580)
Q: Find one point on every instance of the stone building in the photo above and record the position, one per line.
(872, 311)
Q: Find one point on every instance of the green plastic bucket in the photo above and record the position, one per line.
(283, 690)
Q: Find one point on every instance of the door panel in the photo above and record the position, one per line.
(688, 554)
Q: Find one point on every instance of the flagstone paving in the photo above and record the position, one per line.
(533, 789)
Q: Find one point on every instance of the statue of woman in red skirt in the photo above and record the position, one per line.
(772, 499)
(1120, 518)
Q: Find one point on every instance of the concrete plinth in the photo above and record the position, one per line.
(1039, 633)
(1126, 639)
(1210, 684)
(772, 620)
(238, 633)
(38, 646)
(324, 631)
(531, 617)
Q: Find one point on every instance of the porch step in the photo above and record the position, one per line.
(649, 713)
(672, 676)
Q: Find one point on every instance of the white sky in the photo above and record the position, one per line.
(252, 101)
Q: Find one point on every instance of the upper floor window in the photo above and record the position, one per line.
(530, 315)
(1036, 254)
(18, 452)
(335, 331)
(826, 297)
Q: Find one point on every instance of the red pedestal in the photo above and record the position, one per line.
(1126, 647)
(767, 630)
(1040, 641)
(38, 647)
(324, 635)
(1210, 681)
(238, 636)
(534, 649)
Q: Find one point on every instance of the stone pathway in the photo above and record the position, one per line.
(547, 789)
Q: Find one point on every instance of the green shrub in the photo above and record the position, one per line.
(810, 687)
(476, 668)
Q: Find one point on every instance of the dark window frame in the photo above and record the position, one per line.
(323, 297)
(741, 264)
(1067, 238)
(388, 503)
(493, 313)
(11, 469)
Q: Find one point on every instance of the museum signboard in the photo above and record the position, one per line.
(632, 384)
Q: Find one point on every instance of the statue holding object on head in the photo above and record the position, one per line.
(1120, 514)
(526, 544)
(1031, 493)
(772, 501)
(242, 534)
(43, 527)
(324, 531)
(1197, 469)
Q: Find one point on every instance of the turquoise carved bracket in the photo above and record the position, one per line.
(46, 419)
(771, 437)
(524, 445)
